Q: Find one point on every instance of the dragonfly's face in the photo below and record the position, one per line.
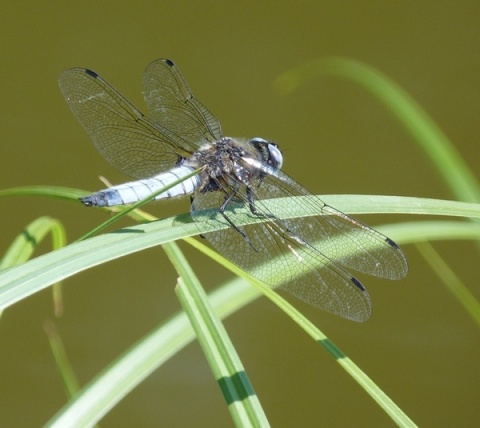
(271, 154)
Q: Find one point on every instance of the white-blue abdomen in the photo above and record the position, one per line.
(135, 191)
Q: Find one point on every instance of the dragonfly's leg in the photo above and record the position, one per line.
(228, 199)
(251, 202)
(253, 208)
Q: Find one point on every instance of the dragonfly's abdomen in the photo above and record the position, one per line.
(135, 191)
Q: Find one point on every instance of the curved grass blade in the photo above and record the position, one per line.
(221, 355)
(21, 281)
(24, 246)
(448, 161)
(451, 281)
(66, 193)
(112, 384)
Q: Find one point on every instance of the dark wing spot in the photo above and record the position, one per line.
(392, 243)
(357, 283)
(91, 73)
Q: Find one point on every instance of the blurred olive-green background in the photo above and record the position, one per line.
(419, 346)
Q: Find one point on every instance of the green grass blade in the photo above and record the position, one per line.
(224, 361)
(104, 391)
(21, 281)
(369, 386)
(451, 281)
(65, 193)
(58, 350)
(24, 245)
(443, 154)
(431, 230)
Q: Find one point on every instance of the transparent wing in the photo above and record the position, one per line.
(133, 143)
(172, 104)
(304, 256)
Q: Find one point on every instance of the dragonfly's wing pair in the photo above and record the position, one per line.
(137, 145)
(303, 255)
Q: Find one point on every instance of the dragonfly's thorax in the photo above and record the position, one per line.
(234, 162)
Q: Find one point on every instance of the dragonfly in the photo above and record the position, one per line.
(238, 179)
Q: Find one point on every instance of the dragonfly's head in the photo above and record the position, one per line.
(269, 151)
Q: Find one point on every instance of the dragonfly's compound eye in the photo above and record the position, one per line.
(276, 158)
(271, 152)
(258, 140)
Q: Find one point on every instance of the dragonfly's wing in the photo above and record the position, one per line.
(303, 255)
(276, 257)
(338, 236)
(173, 106)
(126, 138)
